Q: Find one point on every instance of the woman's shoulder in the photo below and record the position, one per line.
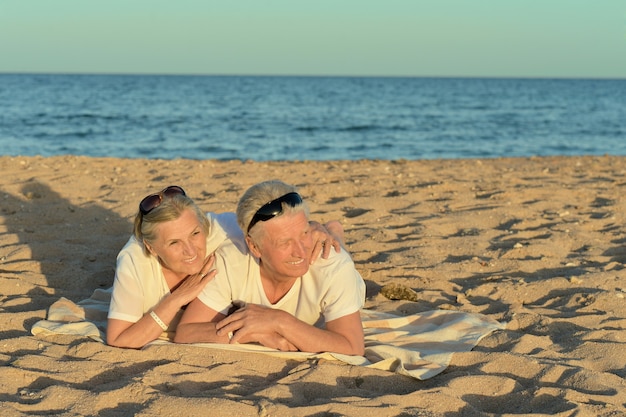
(132, 247)
(225, 223)
(224, 228)
(134, 250)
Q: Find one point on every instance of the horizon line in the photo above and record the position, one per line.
(252, 75)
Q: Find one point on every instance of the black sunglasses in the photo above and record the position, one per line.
(274, 208)
(153, 201)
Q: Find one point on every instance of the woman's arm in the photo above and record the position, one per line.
(121, 333)
(127, 334)
(198, 325)
(325, 237)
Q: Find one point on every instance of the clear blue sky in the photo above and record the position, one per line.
(502, 38)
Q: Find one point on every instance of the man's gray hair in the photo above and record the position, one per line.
(260, 194)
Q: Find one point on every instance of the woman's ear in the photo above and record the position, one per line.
(254, 249)
(150, 248)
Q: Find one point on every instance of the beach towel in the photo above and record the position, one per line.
(419, 345)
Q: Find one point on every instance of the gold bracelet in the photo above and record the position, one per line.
(158, 320)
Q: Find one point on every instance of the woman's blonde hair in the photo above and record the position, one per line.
(171, 208)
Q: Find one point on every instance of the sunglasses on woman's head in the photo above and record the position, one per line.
(153, 201)
(274, 208)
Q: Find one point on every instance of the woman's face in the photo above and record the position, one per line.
(180, 244)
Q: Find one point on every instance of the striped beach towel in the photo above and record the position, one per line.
(419, 345)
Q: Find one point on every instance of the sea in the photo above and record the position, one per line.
(277, 118)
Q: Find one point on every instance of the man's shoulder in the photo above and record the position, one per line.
(328, 269)
(334, 259)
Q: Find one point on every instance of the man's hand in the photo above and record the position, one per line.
(276, 341)
(253, 323)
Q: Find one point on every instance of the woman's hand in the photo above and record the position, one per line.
(325, 237)
(194, 284)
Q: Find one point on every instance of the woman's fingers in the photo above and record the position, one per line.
(208, 264)
(325, 238)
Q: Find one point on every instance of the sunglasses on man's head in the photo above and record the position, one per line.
(153, 201)
(274, 208)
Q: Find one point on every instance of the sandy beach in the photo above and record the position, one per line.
(536, 243)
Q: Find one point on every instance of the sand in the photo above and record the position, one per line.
(538, 243)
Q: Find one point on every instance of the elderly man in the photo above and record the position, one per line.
(274, 294)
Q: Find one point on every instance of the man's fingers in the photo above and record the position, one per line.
(224, 328)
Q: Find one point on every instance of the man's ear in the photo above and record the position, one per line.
(254, 249)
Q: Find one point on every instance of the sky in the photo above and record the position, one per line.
(416, 38)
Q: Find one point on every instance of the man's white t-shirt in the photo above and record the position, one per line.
(331, 289)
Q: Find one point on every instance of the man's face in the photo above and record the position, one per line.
(285, 247)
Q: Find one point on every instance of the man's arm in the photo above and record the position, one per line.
(197, 325)
(255, 323)
(342, 335)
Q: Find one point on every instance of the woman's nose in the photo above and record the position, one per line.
(188, 248)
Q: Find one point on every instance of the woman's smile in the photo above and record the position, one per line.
(191, 260)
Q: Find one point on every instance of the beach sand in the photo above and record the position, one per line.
(537, 243)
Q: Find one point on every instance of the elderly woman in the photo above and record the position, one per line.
(285, 301)
(167, 262)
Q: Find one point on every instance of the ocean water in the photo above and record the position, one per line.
(309, 118)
